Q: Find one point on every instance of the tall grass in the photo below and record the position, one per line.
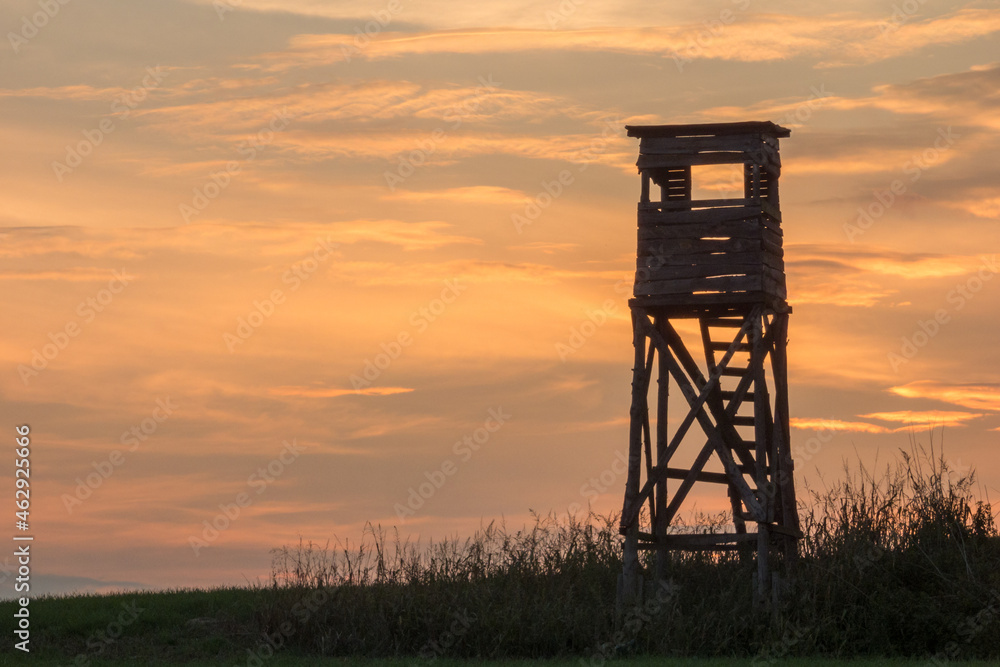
(904, 562)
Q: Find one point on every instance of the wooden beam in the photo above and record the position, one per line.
(686, 541)
(650, 269)
(747, 142)
(647, 161)
(703, 476)
(706, 284)
(743, 229)
(764, 128)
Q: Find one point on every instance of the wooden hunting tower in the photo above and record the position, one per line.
(717, 263)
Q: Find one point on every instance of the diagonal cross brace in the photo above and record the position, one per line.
(696, 403)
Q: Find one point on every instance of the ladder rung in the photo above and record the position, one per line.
(734, 372)
(720, 322)
(722, 347)
(730, 395)
(740, 420)
(705, 476)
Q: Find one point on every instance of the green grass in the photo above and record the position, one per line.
(902, 566)
(292, 661)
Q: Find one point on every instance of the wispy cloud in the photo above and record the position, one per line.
(975, 91)
(842, 275)
(981, 205)
(810, 424)
(924, 417)
(546, 247)
(883, 261)
(474, 194)
(406, 235)
(75, 275)
(972, 396)
(872, 43)
(333, 392)
(832, 40)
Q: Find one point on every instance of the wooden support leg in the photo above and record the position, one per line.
(740, 525)
(629, 586)
(782, 436)
(662, 460)
(762, 594)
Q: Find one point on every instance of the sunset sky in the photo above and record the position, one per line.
(305, 256)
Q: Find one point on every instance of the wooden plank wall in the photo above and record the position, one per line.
(724, 250)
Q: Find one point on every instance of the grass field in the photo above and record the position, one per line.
(306, 661)
(905, 566)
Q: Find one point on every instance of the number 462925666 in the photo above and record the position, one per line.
(22, 473)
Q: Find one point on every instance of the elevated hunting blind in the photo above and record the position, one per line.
(717, 262)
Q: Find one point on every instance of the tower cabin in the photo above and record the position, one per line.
(715, 255)
(718, 261)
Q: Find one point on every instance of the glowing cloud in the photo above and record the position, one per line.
(322, 392)
(473, 194)
(746, 38)
(406, 235)
(886, 262)
(546, 247)
(972, 396)
(808, 424)
(981, 207)
(924, 417)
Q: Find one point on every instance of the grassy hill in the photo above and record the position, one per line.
(906, 565)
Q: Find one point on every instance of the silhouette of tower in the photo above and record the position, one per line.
(716, 263)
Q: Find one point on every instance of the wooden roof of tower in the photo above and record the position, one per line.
(708, 129)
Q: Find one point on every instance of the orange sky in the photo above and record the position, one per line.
(298, 258)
